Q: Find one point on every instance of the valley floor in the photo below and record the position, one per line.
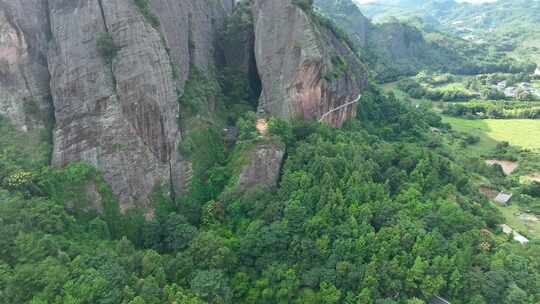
(522, 133)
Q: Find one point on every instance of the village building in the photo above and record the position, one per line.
(435, 130)
(503, 198)
(512, 91)
(501, 85)
(524, 85)
(517, 236)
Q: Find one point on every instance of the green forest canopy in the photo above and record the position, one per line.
(376, 212)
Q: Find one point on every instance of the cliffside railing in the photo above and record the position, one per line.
(323, 117)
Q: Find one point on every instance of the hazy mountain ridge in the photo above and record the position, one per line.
(508, 24)
(396, 48)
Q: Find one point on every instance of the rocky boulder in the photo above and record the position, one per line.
(262, 167)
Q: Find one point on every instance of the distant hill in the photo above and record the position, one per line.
(507, 25)
(396, 48)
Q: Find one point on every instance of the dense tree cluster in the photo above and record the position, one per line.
(376, 212)
(494, 109)
(416, 90)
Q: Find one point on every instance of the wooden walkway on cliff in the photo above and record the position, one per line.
(323, 117)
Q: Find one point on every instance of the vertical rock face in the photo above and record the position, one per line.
(143, 77)
(191, 31)
(24, 78)
(239, 39)
(306, 71)
(119, 116)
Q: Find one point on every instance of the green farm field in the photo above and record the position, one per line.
(522, 133)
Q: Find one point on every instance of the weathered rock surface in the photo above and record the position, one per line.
(305, 70)
(119, 116)
(191, 30)
(239, 39)
(263, 166)
(24, 77)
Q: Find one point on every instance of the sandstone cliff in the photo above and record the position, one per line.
(112, 73)
(306, 70)
(191, 30)
(24, 77)
(119, 116)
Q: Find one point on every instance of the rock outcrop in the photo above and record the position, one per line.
(24, 77)
(400, 42)
(191, 31)
(305, 69)
(263, 166)
(121, 115)
(239, 39)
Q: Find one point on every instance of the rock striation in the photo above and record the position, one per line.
(118, 114)
(24, 75)
(191, 31)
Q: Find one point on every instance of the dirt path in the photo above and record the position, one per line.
(507, 166)
(262, 126)
(535, 177)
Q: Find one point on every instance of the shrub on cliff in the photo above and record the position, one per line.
(106, 46)
(144, 8)
(306, 5)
